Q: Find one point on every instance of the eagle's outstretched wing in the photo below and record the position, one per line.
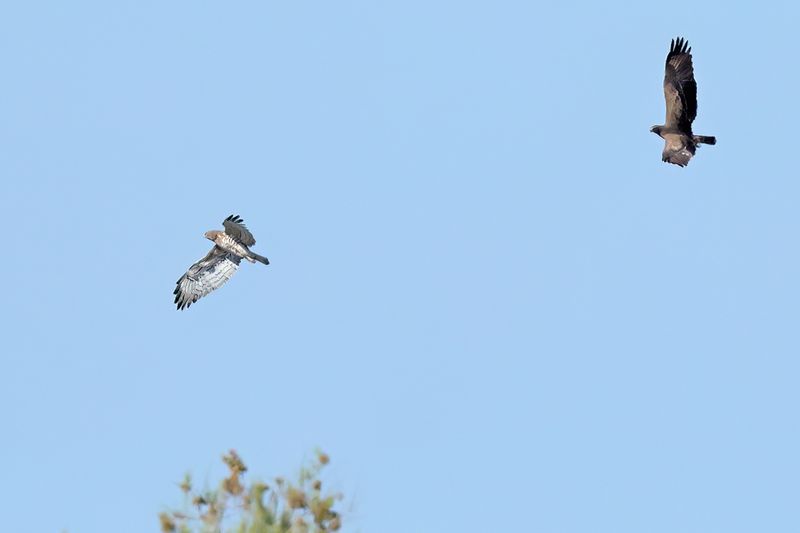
(680, 89)
(208, 274)
(234, 226)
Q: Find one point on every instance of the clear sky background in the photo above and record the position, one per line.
(489, 300)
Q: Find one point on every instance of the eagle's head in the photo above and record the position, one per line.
(212, 234)
(656, 129)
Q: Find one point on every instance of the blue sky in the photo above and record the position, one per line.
(489, 300)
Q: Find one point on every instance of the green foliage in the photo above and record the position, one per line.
(299, 507)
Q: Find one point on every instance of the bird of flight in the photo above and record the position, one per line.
(680, 93)
(217, 267)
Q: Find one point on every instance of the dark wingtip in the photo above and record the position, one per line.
(679, 45)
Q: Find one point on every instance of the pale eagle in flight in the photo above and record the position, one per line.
(217, 267)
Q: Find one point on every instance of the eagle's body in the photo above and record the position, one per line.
(221, 262)
(229, 244)
(680, 95)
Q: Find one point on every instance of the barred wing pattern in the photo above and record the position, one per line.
(205, 276)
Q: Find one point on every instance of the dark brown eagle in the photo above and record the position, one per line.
(217, 267)
(680, 92)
